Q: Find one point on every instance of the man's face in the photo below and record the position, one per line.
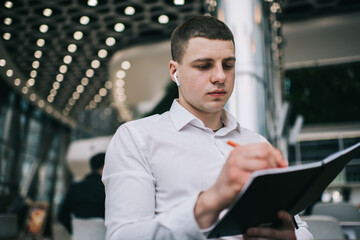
(206, 75)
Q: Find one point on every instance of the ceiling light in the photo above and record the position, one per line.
(92, 3)
(122, 98)
(95, 64)
(119, 27)
(120, 91)
(78, 35)
(179, 2)
(103, 92)
(278, 39)
(65, 112)
(49, 109)
(120, 74)
(47, 12)
(59, 77)
(275, 7)
(85, 81)
(126, 65)
(108, 84)
(33, 73)
(33, 97)
(72, 48)
(24, 90)
(35, 64)
(40, 42)
(53, 92)
(38, 54)
(120, 83)
(163, 19)
(76, 95)
(277, 24)
(84, 20)
(107, 111)
(7, 21)
(8, 4)
(129, 10)
(71, 101)
(7, 36)
(63, 69)
(56, 85)
(110, 41)
(44, 28)
(92, 104)
(80, 88)
(89, 73)
(41, 103)
(67, 59)
(30, 82)
(97, 98)
(17, 82)
(2, 62)
(102, 53)
(9, 72)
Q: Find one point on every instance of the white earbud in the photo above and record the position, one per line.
(176, 79)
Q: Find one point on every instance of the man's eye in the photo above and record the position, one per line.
(203, 67)
(228, 66)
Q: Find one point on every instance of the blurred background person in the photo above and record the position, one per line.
(85, 199)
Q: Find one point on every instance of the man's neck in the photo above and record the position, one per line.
(210, 120)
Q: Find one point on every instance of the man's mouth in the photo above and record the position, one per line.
(217, 93)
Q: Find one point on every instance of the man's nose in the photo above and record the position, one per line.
(218, 75)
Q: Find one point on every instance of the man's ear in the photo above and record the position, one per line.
(173, 66)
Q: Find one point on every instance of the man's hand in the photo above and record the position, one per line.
(236, 172)
(286, 231)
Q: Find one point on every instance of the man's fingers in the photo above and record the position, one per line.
(261, 151)
(280, 160)
(262, 233)
(287, 220)
(253, 165)
(287, 230)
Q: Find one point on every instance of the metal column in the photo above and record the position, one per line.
(252, 94)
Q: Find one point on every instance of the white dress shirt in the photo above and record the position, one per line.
(156, 167)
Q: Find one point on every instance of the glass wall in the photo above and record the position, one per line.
(32, 152)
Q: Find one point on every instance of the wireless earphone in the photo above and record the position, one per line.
(176, 79)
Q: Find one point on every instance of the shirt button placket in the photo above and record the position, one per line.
(217, 141)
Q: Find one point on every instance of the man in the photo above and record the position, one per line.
(169, 176)
(85, 199)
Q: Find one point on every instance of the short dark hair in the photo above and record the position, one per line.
(97, 161)
(199, 26)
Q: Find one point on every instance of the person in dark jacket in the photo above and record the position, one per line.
(85, 199)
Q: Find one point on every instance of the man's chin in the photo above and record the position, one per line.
(215, 106)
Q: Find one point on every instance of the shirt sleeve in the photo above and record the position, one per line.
(302, 232)
(130, 196)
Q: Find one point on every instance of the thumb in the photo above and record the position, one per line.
(287, 220)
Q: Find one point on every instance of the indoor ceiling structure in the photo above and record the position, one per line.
(57, 53)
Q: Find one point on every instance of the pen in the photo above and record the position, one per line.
(231, 143)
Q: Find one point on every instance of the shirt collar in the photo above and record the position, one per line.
(229, 120)
(182, 117)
